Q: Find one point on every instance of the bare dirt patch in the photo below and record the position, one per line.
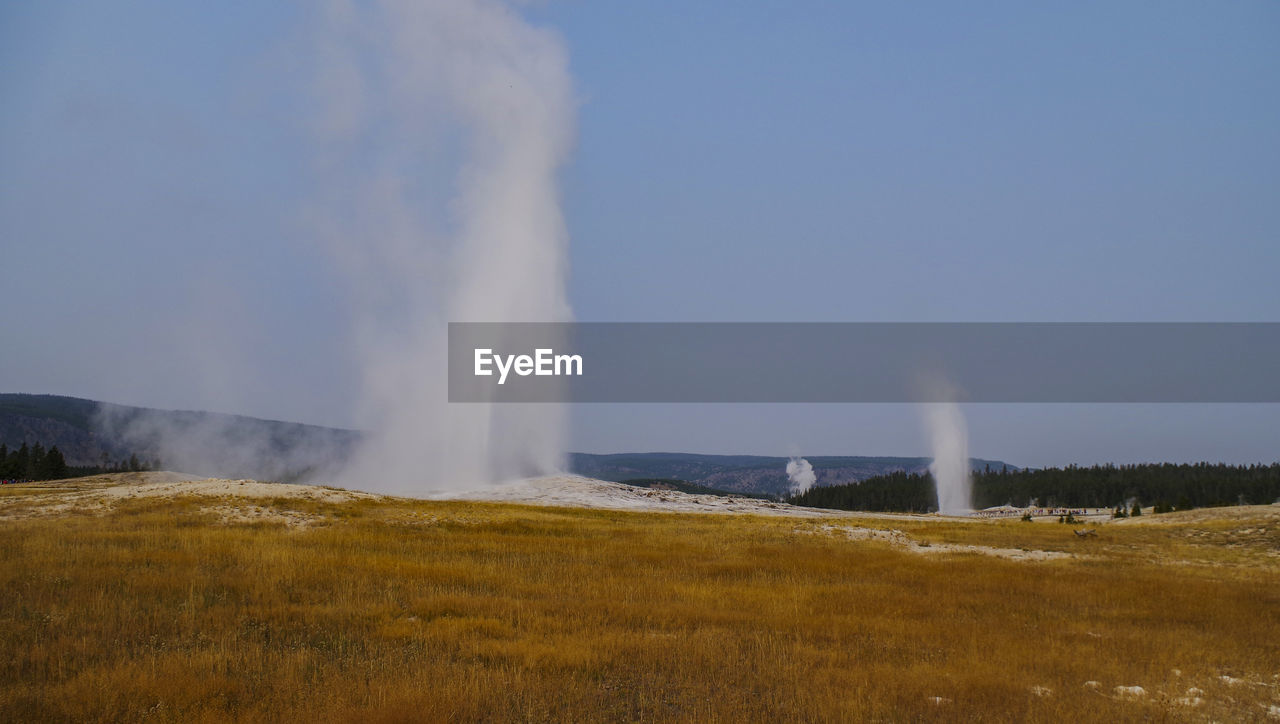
(901, 540)
(1263, 515)
(99, 494)
(218, 487)
(580, 492)
(231, 514)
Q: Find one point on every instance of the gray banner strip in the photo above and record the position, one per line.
(864, 362)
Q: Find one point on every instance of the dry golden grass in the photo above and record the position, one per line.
(169, 609)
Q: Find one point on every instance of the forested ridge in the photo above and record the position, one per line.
(35, 462)
(1176, 486)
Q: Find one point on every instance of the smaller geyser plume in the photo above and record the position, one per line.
(949, 439)
(800, 474)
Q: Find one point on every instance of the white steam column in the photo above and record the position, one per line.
(442, 128)
(949, 439)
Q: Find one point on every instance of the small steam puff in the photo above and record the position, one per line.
(949, 438)
(800, 474)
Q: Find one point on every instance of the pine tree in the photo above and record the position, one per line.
(35, 462)
(55, 465)
(20, 460)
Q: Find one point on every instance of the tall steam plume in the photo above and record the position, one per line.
(442, 129)
(949, 438)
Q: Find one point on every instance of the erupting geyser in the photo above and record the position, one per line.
(949, 439)
(442, 128)
(800, 475)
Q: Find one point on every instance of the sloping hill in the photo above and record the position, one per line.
(215, 444)
(52, 420)
(202, 443)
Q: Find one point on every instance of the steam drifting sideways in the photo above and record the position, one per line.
(441, 130)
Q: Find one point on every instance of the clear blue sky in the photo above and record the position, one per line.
(1107, 161)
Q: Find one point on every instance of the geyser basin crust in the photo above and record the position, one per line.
(204, 607)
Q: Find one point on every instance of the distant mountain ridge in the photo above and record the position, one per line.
(53, 420)
(216, 444)
(750, 473)
(203, 443)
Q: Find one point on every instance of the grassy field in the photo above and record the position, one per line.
(203, 609)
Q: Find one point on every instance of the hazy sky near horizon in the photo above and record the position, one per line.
(1098, 161)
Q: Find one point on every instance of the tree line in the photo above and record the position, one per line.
(1166, 486)
(34, 462)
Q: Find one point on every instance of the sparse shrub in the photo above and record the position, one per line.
(1026, 518)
